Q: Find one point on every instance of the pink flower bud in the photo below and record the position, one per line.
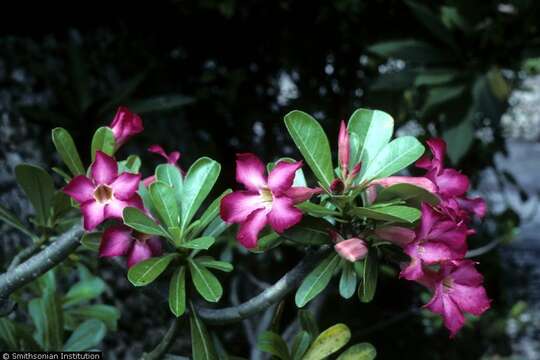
(352, 249)
(337, 186)
(343, 149)
(124, 125)
(400, 236)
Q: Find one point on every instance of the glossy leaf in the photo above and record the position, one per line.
(310, 231)
(212, 211)
(132, 164)
(205, 282)
(202, 243)
(316, 209)
(104, 141)
(177, 292)
(198, 183)
(148, 270)
(171, 175)
(211, 263)
(38, 186)
(65, 146)
(300, 345)
(202, 347)
(410, 193)
(138, 220)
(272, 343)
(361, 351)
(396, 213)
(328, 342)
(87, 336)
(309, 137)
(347, 281)
(164, 201)
(393, 157)
(216, 228)
(317, 280)
(370, 272)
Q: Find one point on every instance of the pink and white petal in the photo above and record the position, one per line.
(93, 214)
(250, 171)
(115, 208)
(249, 230)
(237, 206)
(139, 252)
(473, 300)
(418, 181)
(433, 252)
(80, 188)
(116, 241)
(125, 185)
(104, 168)
(300, 194)
(155, 245)
(283, 214)
(452, 183)
(398, 235)
(282, 176)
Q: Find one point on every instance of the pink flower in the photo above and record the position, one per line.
(458, 289)
(352, 249)
(124, 125)
(400, 236)
(343, 149)
(171, 158)
(119, 240)
(266, 201)
(437, 239)
(105, 194)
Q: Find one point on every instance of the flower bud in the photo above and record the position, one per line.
(352, 249)
(343, 149)
(124, 125)
(337, 186)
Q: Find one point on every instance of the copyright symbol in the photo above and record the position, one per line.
(5, 356)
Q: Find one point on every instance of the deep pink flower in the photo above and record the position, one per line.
(119, 240)
(105, 194)
(352, 249)
(458, 289)
(437, 239)
(266, 201)
(398, 235)
(172, 159)
(124, 125)
(343, 149)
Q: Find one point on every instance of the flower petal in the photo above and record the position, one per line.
(124, 125)
(125, 185)
(236, 206)
(93, 213)
(171, 158)
(283, 214)
(155, 245)
(473, 300)
(444, 305)
(452, 183)
(300, 194)
(463, 272)
(352, 249)
(80, 188)
(116, 241)
(115, 207)
(400, 236)
(250, 171)
(343, 148)
(413, 271)
(104, 168)
(139, 252)
(249, 230)
(476, 206)
(282, 176)
(427, 221)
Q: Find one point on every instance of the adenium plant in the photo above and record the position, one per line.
(351, 216)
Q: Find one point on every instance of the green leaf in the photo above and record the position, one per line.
(202, 347)
(165, 203)
(64, 144)
(459, 139)
(394, 156)
(106, 313)
(308, 323)
(46, 314)
(138, 220)
(216, 228)
(91, 241)
(441, 95)
(410, 193)
(410, 50)
(347, 282)
(177, 292)
(39, 188)
(397, 213)
(202, 243)
(328, 342)
(8, 335)
(309, 137)
(199, 181)
(300, 345)
(374, 129)
(272, 343)
(12, 220)
(103, 140)
(361, 351)
(171, 175)
(310, 231)
(433, 23)
(84, 290)
(316, 209)
(160, 103)
(267, 242)
(131, 165)
(435, 77)
(205, 282)
(87, 336)
(148, 270)
(317, 280)
(211, 263)
(368, 284)
(212, 211)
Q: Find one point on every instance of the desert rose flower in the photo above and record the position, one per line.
(266, 200)
(437, 239)
(398, 235)
(352, 249)
(105, 194)
(172, 159)
(119, 240)
(458, 289)
(124, 125)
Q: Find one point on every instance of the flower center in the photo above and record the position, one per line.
(266, 196)
(103, 193)
(448, 283)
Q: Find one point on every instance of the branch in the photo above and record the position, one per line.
(166, 342)
(37, 265)
(268, 297)
(483, 249)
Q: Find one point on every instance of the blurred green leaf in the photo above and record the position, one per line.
(272, 343)
(84, 290)
(64, 144)
(433, 23)
(87, 336)
(160, 103)
(361, 351)
(300, 345)
(106, 313)
(11, 220)
(410, 50)
(46, 314)
(38, 186)
(308, 322)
